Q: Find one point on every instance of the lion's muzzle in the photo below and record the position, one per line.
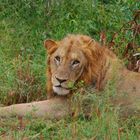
(60, 85)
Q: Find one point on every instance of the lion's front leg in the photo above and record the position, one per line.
(54, 108)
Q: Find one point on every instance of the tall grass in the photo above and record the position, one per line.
(25, 24)
(22, 59)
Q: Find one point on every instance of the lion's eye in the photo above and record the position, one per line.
(57, 58)
(75, 62)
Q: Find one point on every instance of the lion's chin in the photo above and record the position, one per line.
(60, 90)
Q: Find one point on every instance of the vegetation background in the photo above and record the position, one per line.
(25, 24)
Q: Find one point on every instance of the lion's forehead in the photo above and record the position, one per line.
(71, 47)
(72, 44)
(71, 53)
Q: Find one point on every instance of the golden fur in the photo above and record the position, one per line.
(94, 61)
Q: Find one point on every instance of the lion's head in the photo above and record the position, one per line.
(72, 59)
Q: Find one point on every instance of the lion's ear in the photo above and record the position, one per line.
(50, 45)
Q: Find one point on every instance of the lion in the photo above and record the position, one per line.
(79, 58)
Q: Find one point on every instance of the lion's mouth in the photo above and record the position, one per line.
(59, 86)
(61, 90)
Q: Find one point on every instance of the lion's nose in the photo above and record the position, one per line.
(61, 80)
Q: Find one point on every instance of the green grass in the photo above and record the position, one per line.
(24, 26)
